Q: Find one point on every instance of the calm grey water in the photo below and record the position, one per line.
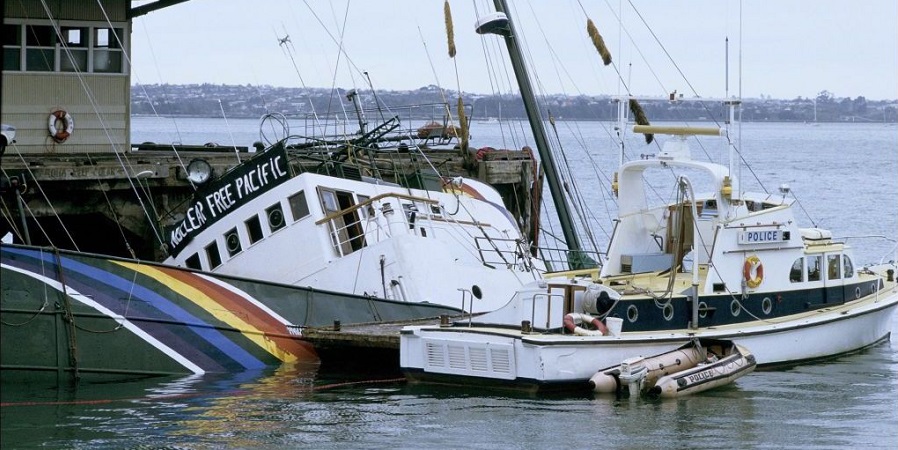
(846, 177)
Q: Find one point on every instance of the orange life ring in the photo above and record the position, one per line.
(61, 133)
(753, 263)
(570, 324)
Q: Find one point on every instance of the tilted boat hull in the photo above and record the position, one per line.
(73, 314)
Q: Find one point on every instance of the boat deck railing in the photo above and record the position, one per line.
(386, 216)
(420, 125)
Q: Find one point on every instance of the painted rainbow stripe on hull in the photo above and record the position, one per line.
(188, 316)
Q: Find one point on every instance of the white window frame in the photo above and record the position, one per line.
(59, 51)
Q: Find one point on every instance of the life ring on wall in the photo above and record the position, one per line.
(753, 263)
(571, 320)
(61, 133)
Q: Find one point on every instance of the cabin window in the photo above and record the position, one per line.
(814, 263)
(847, 266)
(795, 275)
(362, 199)
(254, 229)
(834, 267)
(194, 262)
(213, 256)
(232, 242)
(345, 226)
(275, 217)
(298, 205)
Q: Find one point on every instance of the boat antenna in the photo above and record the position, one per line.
(501, 24)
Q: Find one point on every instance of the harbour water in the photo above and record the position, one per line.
(844, 175)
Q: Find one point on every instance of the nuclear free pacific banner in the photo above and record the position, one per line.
(228, 193)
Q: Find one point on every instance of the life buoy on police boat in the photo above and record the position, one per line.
(753, 271)
(571, 321)
(67, 125)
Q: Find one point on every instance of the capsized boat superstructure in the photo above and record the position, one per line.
(357, 234)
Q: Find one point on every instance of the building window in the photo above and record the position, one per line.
(36, 47)
(75, 60)
(213, 255)
(40, 48)
(107, 51)
(254, 229)
(298, 205)
(12, 47)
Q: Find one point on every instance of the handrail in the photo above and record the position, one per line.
(371, 200)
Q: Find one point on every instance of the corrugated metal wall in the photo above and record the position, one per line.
(67, 9)
(30, 97)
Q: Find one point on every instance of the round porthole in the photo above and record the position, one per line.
(703, 310)
(632, 313)
(233, 242)
(668, 312)
(735, 308)
(872, 287)
(857, 292)
(766, 305)
(276, 218)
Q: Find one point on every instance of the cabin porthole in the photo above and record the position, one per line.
(766, 305)
(668, 312)
(703, 310)
(632, 313)
(233, 242)
(857, 292)
(735, 308)
(872, 287)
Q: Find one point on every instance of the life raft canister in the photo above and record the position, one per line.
(753, 264)
(67, 125)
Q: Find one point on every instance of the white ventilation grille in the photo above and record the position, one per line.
(470, 358)
(436, 356)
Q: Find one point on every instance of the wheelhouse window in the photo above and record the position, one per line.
(834, 267)
(254, 229)
(795, 275)
(213, 256)
(847, 266)
(194, 262)
(814, 263)
(298, 205)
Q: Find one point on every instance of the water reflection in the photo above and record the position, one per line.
(848, 401)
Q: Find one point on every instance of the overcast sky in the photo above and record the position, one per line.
(788, 48)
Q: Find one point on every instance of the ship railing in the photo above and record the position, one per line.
(423, 124)
(385, 216)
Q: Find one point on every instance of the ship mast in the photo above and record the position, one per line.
(500, 23)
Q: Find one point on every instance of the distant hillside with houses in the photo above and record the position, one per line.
(211, 100)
